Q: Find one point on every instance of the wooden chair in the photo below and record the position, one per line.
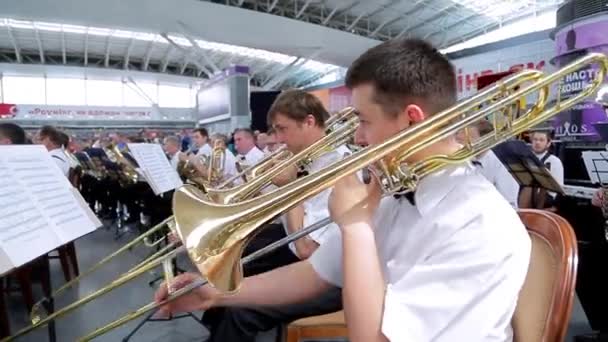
(545, 302)
(318, 327)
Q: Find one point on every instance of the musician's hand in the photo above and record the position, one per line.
(173, 238)
(288, 175)
(201, 298)
(352, 201)
(598, 197)
(183, 157)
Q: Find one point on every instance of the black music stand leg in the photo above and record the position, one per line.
(150, 319)
(50, 308)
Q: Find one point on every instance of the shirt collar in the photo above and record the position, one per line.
(432, 189)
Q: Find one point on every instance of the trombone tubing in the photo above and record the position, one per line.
(101, 263)
(200, 282)
(114, 284)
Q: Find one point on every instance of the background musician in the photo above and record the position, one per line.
(540, 198)
(53, 140)
(172, 146)
(247, 151)
(299, 121)
(444, 264)
(11, 134)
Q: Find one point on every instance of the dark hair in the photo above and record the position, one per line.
(202, 131)
(65, 139)
(297, 105)
(404, 71)
(547, 133)
(54, 135)
(246, 131)
(13, 132)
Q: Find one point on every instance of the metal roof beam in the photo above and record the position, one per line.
(128, 54)
(148, 55)
(292, 68)
(86, 47)
(107, 56)
(14, 42)
(39, 42)
(198, 48)
(447, 28)
(400, 16)
(63, 48)
(272, 6)
(304, 7)
(165, 63)
(341, 9)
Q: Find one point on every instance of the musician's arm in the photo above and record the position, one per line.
(285, 285)
(295, 221)
(362, 274)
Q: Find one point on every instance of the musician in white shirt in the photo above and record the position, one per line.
(490, 166)
(171, 145)
(447, 267)
(247, 152)
(51, 138)
(229, 165)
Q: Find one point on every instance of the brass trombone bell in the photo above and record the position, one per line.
(216, 234)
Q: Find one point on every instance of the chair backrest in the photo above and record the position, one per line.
(545, 301)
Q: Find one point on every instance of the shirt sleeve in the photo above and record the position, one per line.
(315, 210)
(327, 259)
(507, 185)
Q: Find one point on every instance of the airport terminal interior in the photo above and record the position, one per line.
(303, 170)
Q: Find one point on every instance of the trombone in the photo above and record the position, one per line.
(37, 309)
(215, 234)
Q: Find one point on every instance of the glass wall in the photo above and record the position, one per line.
(81, 92)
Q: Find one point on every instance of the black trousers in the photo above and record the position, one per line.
(242, 324)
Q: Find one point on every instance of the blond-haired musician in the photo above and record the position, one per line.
(443, 264)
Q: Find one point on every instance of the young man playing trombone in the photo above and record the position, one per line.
(298, 120)
(443, 264)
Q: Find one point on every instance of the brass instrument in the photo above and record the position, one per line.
(339, 136)
(36, 314)
(214, 166)
(248, 173)
(128, 174)
(215, 235)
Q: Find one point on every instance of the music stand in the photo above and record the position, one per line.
(596, 163)
(525, 167)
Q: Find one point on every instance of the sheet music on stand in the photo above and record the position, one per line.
(39, 209)
(153, 162)
(525, 167)
(596, 163)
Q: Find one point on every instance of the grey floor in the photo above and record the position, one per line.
(132, 296)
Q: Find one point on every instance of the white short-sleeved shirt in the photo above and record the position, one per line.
(61, 160)
(316, 208)
(494, 170)
(453, 264)
(252, 157)
(204, 150)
